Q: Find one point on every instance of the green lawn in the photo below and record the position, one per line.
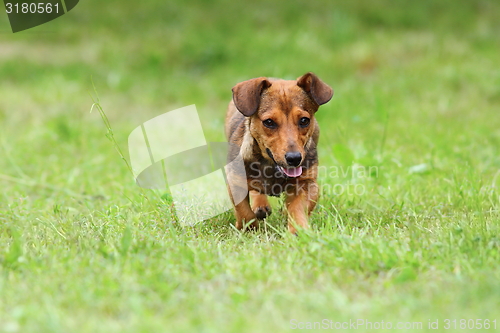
(407, 230)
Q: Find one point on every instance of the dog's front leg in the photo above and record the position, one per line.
(260, 204)
(300, 202)
(244, 214)
(238, 192)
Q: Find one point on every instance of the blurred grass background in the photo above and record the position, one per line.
(417, 95)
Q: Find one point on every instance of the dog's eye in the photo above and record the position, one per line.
(269, 123)
(304, 122)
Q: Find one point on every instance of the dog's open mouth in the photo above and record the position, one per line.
(291, 172)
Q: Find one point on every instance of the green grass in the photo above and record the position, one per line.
(417, 94)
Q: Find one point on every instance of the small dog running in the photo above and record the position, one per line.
(270, 124)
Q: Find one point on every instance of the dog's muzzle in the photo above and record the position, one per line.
(293, 160)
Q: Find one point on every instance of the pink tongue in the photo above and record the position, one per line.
(292, 172)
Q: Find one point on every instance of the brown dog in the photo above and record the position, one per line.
(270, 124)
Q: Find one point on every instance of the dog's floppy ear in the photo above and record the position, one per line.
(246, 95)
(320, 92)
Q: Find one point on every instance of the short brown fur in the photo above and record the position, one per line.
(264, 150)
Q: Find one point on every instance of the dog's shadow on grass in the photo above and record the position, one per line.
(223, 225)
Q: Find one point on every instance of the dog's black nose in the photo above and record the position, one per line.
(293, 159)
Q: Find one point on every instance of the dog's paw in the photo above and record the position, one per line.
(262, 212)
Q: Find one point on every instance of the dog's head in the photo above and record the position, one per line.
(281, 116)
